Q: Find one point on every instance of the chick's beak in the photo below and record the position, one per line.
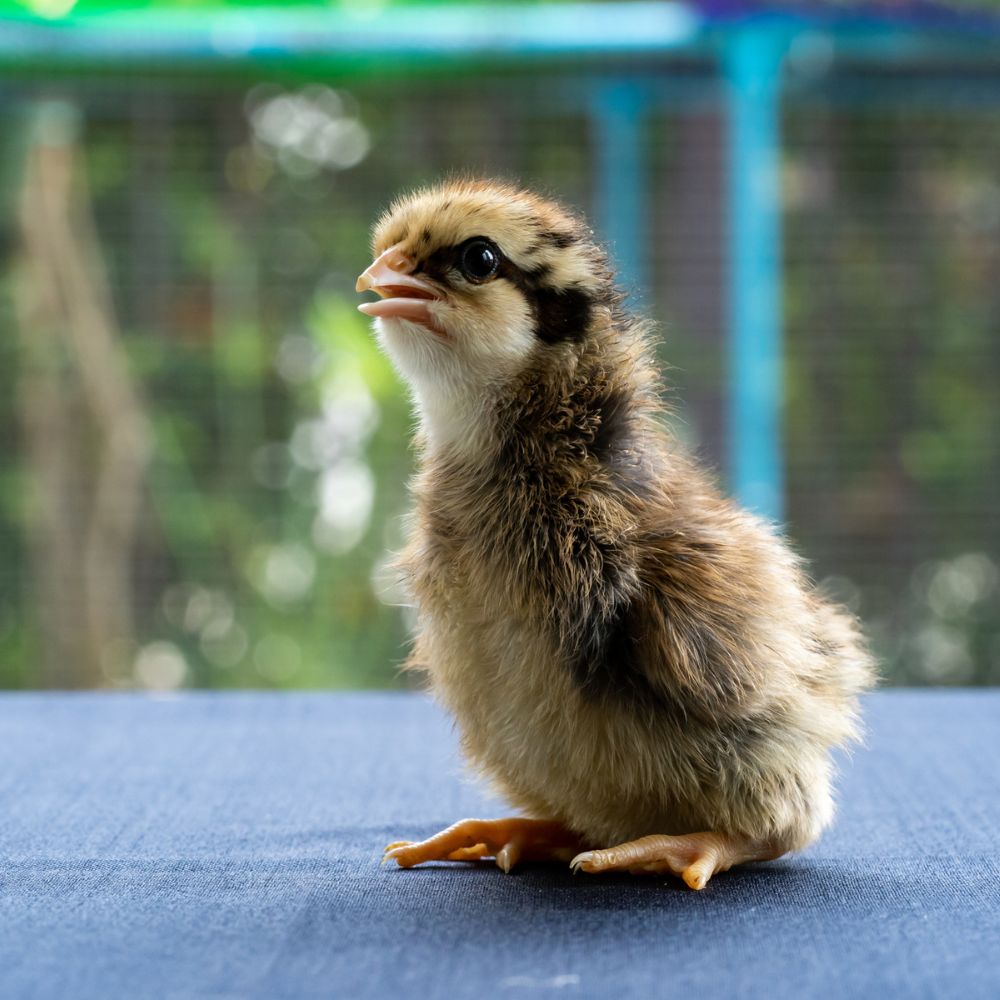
(402, 294)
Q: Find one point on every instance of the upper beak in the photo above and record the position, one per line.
(403, 295)
(390, 275)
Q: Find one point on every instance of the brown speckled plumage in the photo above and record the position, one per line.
(625, 650)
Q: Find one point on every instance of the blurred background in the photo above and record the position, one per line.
(204, 457)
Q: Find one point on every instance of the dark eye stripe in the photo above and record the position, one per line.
(560, 314)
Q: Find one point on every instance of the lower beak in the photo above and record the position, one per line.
(402, 294)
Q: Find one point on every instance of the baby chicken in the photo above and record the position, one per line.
(639, 666)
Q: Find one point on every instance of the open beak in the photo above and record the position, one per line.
(402, 294)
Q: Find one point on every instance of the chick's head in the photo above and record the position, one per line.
(476, 281)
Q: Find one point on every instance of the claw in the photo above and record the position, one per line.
(697, 875)
(508, 856)
(592, 861)
(396, 845)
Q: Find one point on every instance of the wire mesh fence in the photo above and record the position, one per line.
(205, 466)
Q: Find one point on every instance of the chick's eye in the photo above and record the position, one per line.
(480, 260)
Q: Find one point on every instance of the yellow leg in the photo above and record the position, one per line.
(696, 857)
(507, 840)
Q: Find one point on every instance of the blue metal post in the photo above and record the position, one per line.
(752, 67)
(616, 111)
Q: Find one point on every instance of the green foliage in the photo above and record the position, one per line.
(893, 416)
(278, 482)
(269, 589)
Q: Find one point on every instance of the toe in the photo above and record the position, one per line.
(392, 851)
(475, 853)
(697, 875)
(402, 855)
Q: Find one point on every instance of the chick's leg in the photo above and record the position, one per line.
(507, 840)
(696, 857)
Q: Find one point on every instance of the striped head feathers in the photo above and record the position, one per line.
(478, 282)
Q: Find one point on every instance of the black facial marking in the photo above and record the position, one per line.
(438, 264)
(560, 315)
(426, 236)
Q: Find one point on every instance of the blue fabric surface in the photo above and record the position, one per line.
(227, 846)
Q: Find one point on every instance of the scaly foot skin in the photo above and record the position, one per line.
(506, 840)
(695, 857)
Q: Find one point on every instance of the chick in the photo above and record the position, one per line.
(640, 666)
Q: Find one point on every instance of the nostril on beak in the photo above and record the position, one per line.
(399, 262)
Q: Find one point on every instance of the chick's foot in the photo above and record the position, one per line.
(506, 840)
(695, 857)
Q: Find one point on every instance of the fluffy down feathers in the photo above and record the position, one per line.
(625, 650)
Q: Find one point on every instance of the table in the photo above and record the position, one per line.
(227, 846)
